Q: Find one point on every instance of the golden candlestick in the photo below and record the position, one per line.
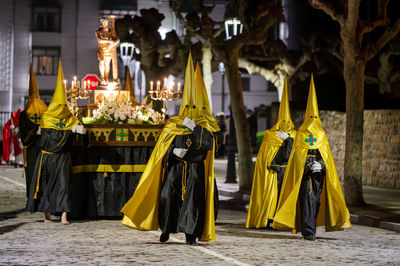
(164, 94)
(74, 93)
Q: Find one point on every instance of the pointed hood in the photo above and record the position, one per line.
(284, 120)
(129, 87)
(35, 107)
(188, 106)
(203, 102)
(58, 116)
(311, 132)
(312, 104)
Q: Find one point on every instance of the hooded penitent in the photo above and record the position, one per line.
(28, 127)
(129, 87)
(333, 213)
(141, 211)
(264, 194)
(58, 116)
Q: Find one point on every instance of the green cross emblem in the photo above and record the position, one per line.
(310, 140)
(60, 124)
(122, 135)
(35, 117)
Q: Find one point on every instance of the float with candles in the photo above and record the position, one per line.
(108, 161)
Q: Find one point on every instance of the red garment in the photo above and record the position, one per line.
(15, 136)
(7, 137)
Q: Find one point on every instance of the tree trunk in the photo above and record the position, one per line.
(354, 77)
(207, 73)
(239, 116)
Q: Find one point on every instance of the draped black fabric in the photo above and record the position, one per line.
(310, 193)
(31, 142)
(182, 198)
(96, 194)
(52, 174)
(280, 161)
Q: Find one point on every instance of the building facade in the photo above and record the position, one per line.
(39, 32)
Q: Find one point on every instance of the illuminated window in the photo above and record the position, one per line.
(46, 19)
(45, 60)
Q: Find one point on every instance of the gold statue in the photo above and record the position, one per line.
(108, 41)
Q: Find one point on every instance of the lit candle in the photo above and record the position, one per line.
(79, 84)
(151, 86)
(74, 81)
(172, 87)
(84, 84)
(165, 83)
(88, 84)
(158, 85)
(179, 87)
(65, 83)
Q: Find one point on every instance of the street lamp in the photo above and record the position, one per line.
(221, 69)
(233, 27)
(126, 52)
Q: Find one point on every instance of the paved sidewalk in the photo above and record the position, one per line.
(382, 209)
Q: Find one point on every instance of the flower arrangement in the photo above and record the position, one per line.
(123, 112)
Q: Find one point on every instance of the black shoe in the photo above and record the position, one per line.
(310, 237)
(164, 237)
(191, 242)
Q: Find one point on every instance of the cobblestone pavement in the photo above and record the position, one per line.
(26, 240)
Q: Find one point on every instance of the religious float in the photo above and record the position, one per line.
(108, 161)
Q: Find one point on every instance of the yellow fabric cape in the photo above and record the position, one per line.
(141, 211)
(333, 212)
(58, 116)
(264, 192)
(35, 107)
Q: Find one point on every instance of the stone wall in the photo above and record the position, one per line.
(381, 151)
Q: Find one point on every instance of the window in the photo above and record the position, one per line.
(246, 83)
(45, 60)
(46, 19)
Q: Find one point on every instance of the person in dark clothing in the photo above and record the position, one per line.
(50, 188)
(182, 198)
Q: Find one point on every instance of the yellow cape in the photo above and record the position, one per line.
(58, 116)
(141, 211)
(35, 107)
(264, 192)
(333, 212)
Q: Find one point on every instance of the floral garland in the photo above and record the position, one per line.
(117, 112)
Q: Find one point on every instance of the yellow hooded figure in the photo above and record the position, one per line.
(311, 194)
(29, 122)
(35, 107)
(58, 116)
(270, 167)
(50, 188)
(129, 87)
(184, 155)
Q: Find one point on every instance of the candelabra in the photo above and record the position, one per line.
(164, 94)
(74, 93)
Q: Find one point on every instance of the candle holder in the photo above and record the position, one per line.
(162, 93)
(74, 93)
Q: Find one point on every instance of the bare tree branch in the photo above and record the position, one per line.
(389, 34)
(328, 9)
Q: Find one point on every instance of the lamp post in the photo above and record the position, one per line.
(126, 50)
(221, 69)
(233, 27)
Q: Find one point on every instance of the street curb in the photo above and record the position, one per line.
(239, 202)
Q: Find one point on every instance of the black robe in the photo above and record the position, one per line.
(31, 142)
(310, 193)
(280, 161)
(182, 210)
(52, 168)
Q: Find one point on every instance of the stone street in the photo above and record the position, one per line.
(26, 240)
